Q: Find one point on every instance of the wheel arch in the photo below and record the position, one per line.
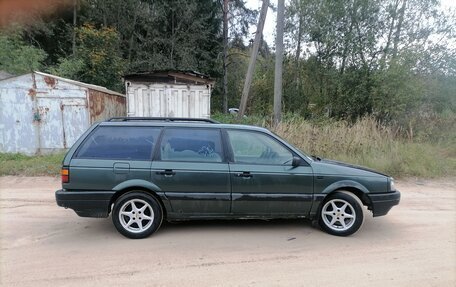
(161, 198)
(356, 191)
(359, 190)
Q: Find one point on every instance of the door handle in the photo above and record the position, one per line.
(166, 172)
(244, 174)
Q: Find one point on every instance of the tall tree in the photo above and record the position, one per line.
(399, 27)
(237, 19)
(225, 56)
(17, 56)
(97, 60)
(75, 16)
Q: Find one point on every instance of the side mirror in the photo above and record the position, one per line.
(296, 161)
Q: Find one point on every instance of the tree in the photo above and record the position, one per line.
(295, 19)
(18, 57)
(97, 60)
(225, 56)
(356, 48)
(184, 35)
(394, 59)
(237, 19)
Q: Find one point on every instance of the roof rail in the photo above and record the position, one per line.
(162, 119)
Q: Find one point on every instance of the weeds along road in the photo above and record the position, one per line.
(45, 245)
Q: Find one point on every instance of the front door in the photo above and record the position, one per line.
(191, 169)
(263, 180)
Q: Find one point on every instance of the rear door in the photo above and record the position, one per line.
(191, 169)
(111, 155)
(262, 178)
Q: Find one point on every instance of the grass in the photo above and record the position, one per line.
(365, 142)
(18, 164)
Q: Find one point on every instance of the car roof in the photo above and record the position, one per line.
(187, 123)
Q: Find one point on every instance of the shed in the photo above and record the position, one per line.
(42, 113)
(4, 75)
(168, 94)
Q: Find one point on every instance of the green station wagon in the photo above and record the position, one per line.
(145, 170)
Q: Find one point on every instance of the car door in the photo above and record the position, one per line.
(263, 180)
(111, 155)
(190, 168)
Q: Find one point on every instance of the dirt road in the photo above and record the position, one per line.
(45, 245)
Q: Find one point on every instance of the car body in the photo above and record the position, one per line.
(183, 169)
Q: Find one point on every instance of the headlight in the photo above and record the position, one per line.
(392, 187)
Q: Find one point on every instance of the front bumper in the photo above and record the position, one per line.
(381, 203)
(85, 203)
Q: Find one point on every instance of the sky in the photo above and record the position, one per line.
(269, 26)
(270, 23)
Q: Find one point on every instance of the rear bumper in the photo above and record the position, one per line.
(85, 203)
(381, 203)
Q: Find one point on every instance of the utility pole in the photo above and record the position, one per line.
(278, 63)
(225, 56)
(253, 56)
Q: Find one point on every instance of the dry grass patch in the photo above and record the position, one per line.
(365, 142)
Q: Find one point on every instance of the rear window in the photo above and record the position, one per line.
(127, 143)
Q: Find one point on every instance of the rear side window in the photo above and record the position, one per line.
(127, 143)
(197, 145)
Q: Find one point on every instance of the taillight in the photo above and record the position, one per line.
(65, 175)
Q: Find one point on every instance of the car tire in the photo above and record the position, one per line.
(137, 215)
(341, 214)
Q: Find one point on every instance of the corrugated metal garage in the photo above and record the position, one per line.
(168, 94)
(42, 113)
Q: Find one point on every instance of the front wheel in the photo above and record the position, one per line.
(137, 215)
(341, 214)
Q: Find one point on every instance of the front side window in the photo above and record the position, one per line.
(125, 143)
(257, 148)
(194, 145)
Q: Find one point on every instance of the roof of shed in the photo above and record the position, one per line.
(77, 83)
(5, 75)
(167, 75)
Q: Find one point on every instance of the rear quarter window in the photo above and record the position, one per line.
(117, 142)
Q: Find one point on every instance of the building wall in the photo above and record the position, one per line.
(40, 114)
(17, 128)
(164, 100)
(103, 106)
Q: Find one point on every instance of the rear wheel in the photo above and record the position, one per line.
(137, 215)
(341, 214)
